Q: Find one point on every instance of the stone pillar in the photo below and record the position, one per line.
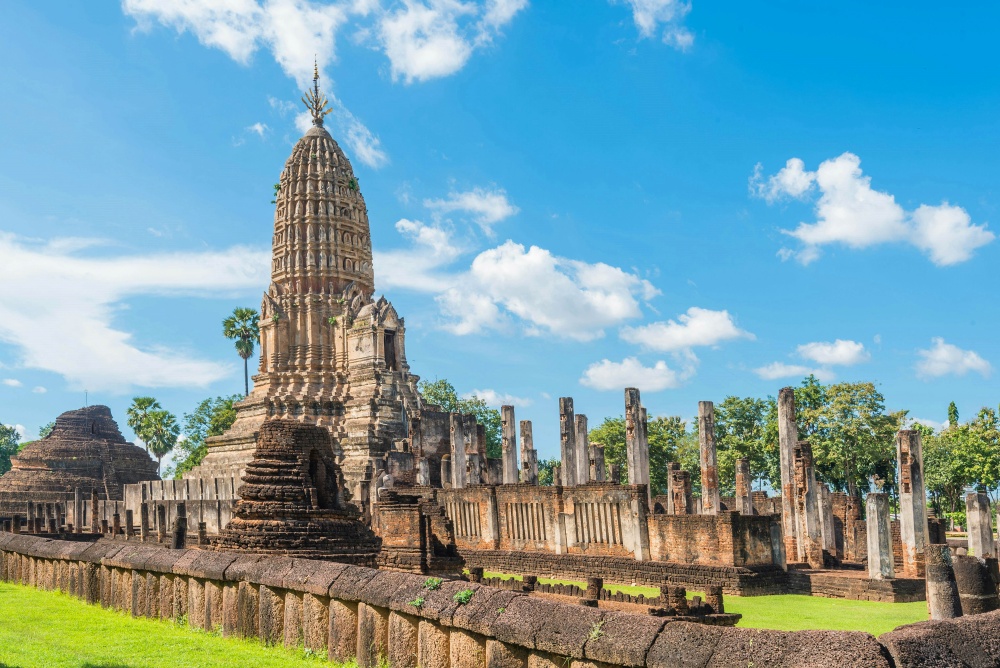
(161, 523)
(713, 598)
(644, 452)
(104, 526)
(977, 586)
(94, 511)
(557, 475)
(614, 474)
(582, 450)
(46, 516)
(202, 533)
(671, 467)
(880, 565)
(529, 457)
(778, 544)
(178, 539)
(144, 521)
(977, 511)
(810, 540)
(116, 524)
(827, 529)
(77, 510)
(709, 463)
(912, 502)
(446, 471)
(942, 590)
(424, 472)
(634, 441)
(31, 516)
(567, 441)
(508, 445)
(680, 491)
(129, 524)
(475, 474)
(458, 462)
(744, 502)
(788, 436)
(598, 468)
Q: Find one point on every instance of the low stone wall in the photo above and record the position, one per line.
(351, 611)
(830, 584)
(733, 579)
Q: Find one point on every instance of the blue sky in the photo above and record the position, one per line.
(566, 198)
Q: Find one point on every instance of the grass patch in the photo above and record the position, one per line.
(46, 629)
(792, 612)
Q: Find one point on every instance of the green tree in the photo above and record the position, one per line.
(741, 431)
(545, 467)
(8, 446)
(944, 475)
(211, 417)
(952, 414)
(46, 429)
(979, 450)
(243, 326)
(669, 441)
(443, 394)
(137, 416)
(162, 430)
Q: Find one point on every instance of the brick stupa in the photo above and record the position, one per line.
(292, 503)
(85, 450)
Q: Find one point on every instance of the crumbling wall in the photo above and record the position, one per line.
(726, 539)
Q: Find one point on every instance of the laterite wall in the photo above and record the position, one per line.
(349, 611)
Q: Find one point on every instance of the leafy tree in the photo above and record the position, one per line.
(545, 474)
(741, 431)
(243, 326)
(669, 441)
(211, 417)
(46, 429)
(810, 402)
(979, 449)
(442, 393)
(8, 446)
(952, 415)
(137, 416)
(944, 475)
(162, 431)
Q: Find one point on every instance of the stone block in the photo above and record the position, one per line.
(272, 616)
(373, 635)
(432, 646)
(503, 655)
(230, 616)
(213, 605)
(294, 634)
(196, 603)
(343, 632)
(315, 622)
(623, 639)
(467, 650)
(402, 640)
(544, 660)
(247, 611)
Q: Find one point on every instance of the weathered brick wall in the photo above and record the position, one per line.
(348, 611)
(726, 539)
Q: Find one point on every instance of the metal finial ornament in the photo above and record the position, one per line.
(317, 104)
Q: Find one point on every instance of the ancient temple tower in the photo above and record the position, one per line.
(329, 354)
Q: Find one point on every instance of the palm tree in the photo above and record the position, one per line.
(162, 431)
(244, 327)
(138, 416)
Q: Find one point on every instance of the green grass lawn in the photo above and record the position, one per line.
(50, 629)
(790, 612)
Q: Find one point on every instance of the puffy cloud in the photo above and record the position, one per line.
(697, 327)
(259, 129)
(39, 390)
(19, 428)
(777, 370)
(630, 372)
(943, 359)
(497, 399)
(79, 294)
(840, 352)
(652, 15)
(435, 38)
(10, 382)
(486, 207)
(850, 212)
(558, 296)
(419, 267)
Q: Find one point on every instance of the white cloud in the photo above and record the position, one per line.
(426, 39)
(697, 327)
(558, 296)
(39, 390)
(850, 212)
(840, 352)
(259, 129)
(651, 15)
(487, 207)
(777, 370)
(19, 428)
(630, 372)
(10, 382)
(943, 359)
(497, 399)
(419, 267)
(72, 293)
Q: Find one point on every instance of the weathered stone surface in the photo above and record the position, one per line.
(373, 635)
(403, 632)
(343, 631)
(433, 647)
(84, 451)
(623, 639)
(467, 650)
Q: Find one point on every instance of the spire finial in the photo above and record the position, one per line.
(317, 104)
